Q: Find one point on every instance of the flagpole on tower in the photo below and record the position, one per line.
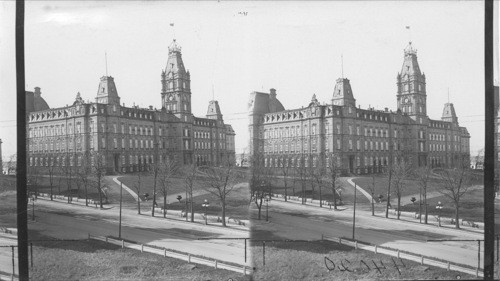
(106, 62)
(342, 65)
(409, 33)
(172, 25)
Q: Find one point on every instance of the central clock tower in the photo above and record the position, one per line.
(175, 82)
(412, 97)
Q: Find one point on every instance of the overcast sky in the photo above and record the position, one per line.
(295, 47)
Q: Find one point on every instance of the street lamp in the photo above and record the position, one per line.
(439, 207)
(205, 205)
(33, 199)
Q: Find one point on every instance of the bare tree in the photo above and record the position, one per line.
(371, 188)
(456, 184)
(137, 186)
(259, 175)
(51, 170)
(221, 181)
(317, 175)
(33, 178)
(83, 178)
(285, 172)
(166, 170)
(68, 174)
(301, 175)
(423, 176)
(400, 171)
(189, 173)
(98, 172)
(333, 173)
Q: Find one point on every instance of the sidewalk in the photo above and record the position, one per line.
(213, 221)
(405, 217)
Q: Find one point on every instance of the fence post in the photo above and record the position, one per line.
(477, 271)
(422, 260)
(123, 243)
(264, 253)
(164, 252)
(398, 254)
(448, 266)
(142, 248)
(13, 265)
(215, 264)
(245, 250)
(340, 240)
(375, 249)
(244, 270)
(106, 238)
(31, 248)
(189, 258)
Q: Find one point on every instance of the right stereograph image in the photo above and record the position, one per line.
(367, 143)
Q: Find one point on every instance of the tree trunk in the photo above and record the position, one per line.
(399, 205)
(86, 197)
(373, 206)
(223, 212)
(191, 207)
(51, 192)
(320, 197)
(425, 204)
(165, 205)
(286, 193)
(457, 225)
(100, 194)
(334, 192)
(138, 204)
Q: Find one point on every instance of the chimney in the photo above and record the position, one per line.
(386, 109)
(37, 92)
(273, 93)
(150, 107)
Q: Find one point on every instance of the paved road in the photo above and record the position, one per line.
(73, 222)
(294, 221)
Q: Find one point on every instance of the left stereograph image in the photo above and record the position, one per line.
(132, 145)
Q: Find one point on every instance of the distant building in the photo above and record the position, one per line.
(363, 140)
(130, 138)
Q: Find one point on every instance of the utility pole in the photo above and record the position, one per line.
(120, 221)
(354, 213)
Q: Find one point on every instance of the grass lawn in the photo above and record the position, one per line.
(322, 260)
(96, 260)
(236, 202)
(471, 207)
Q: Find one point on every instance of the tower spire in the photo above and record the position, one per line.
(409, 33)
(213, 95)
(448, 94)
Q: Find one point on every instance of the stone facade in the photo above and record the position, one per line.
(130, 138)
(362, 140)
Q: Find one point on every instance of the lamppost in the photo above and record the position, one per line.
(33, 199)
(205, 205)
(439, 207)
(180, 198)
(120, 222)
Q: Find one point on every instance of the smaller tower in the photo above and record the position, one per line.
(107, 93)
(449, 114)
(342, 94)
(213, 111)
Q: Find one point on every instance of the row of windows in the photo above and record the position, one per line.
(54, 130)
(306, 161)
(295, 131)
(292, 146)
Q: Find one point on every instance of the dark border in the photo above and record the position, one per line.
(489, 146)
(22, 196)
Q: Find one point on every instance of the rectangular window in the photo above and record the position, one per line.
(115, 143)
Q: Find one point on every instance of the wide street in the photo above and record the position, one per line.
(65, 221)
(295, 221)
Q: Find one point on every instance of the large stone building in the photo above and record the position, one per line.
(362, 140)
(129, 138)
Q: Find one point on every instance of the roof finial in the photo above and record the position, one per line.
(213, 96)
(448, 95)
